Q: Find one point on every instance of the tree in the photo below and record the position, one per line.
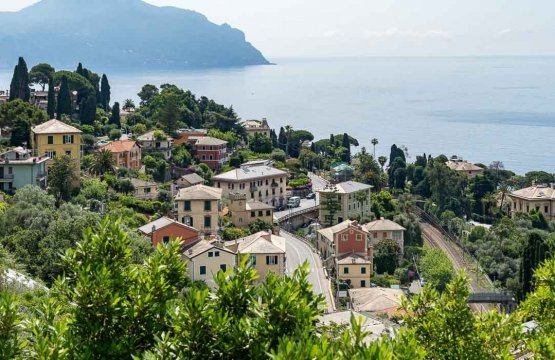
(103, 163)
(374, 142)
(16, 110)
(115, 118)
(436, 268)
(260, 144)
(105, 93)
(346, 143)
(260, 225)
(148, 92)
(535, 251)
(282, 139)
(169, 114)
(128, 104)
(41, 74)
(19, 87)
(64, 100)
(330, 205)
(21, 133)
(382, 160)
(51, 108)
(87, 110)
(61, 178)
(114, 134)
(386, 256)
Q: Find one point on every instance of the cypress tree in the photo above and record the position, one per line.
(87, 110)
(80, 69)
(13, 84)
(313, 147)
(282, 139)
(534, 253)
(64, 99)
(347, 145)
(332, 140)
(115, 119)
(19, 87)
(105, 92)
(274, 138)
(51, 109)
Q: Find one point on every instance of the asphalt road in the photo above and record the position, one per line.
(317, 184)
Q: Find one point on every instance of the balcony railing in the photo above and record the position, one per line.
(6, 176)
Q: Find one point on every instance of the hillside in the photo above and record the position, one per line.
(117, 34)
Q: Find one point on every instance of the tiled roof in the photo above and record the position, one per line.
(258, 205)
(383, 225)
(149, 136)
(160, 224)
(538, 192)
(120, 146)
(328, 232)
(259, 243)
(200, 248)
(207, 141)
(462, 165)
(254, 124)
(375, 299)
(142, 183)
(347, 259)
(192, 179)
(249, 173)
(55, 127)
(347, 187)
(199, 192)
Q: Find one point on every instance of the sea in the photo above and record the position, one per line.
(482, 109)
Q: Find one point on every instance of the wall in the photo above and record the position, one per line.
(351, 244)
(40, 144)
(174, 231)
(263, 270)
(355, 274)
(376, 236)
(198, 214)
(212, 265)
(276, 194)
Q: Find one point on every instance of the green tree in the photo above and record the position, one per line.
(534, 252)
(436, 268)
(105, 93)
(115, 117)
(386, 256)
(64, 99)
(20, 110)
(51, 108)
(147, 94)
(346, 143)
(234, 233)
(103, 163)
(61, 178)
(40, 74)
(170, 114)
(21, 133)
(260, 144)
(374, 142)
(330, 205)
(87, 110)
(19, 87)
(260, 225)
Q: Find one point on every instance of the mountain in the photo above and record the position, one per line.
(129, 34)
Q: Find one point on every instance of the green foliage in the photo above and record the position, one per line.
(115, 134)
(51, 107)
(19, 110)
(260, 144)
(115, 118)
(234, 233)
(105, 92)
(40, 74)
(386, 256)
(299, 182)
(156, 165)
(64, 99)
(87, 110)
(534, 253)
(278, 155)
(19, 87)
(367, 170)
(62, 177)
(21, 133)
(229, 136)
(382, 204)
(436, 268)
(147, 94)
(331, 205)
(181, 156)
(260, 225)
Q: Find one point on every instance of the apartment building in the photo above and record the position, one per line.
(199, 206)
(348, 200)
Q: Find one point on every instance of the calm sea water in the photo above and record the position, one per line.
(483, 109)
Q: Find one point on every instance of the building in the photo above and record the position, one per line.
(344, 238)
(145, 190)
(209, 150)
(163, 230)
(186, 181)
(56, 138)
(244, 212)
(465, 168)
(149, 142)
(19, 168)
(539, 197)
(266, 252)
(199, 206)
(126, 153)
(39, 99)
(205, 259)
(259, 181)
(341, 172)
(385, 229)
(377, 301)
(254, 127)
(354, 270)
(183, 135)
(353, 202)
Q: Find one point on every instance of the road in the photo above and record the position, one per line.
(317, 184)
(297, 253)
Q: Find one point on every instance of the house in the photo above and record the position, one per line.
(383, 229)
(244, 212)
(186, 181)
(266, 252)
(539, 197)
(56, 138)
(145, 190)
(463, 167)
(4, 96)
(126, 153)
(199, 206)
(344, 238)
(163, 230)
(354, 270)
(154, 141)
(344, 201)
(206, 258)
(39, 99)
(19, 168)
(183, 135)
(259, 181)
(209, 150)
(254, 127)
(376, 301)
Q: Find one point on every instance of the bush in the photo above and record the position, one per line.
(234, 233)
(114, 134)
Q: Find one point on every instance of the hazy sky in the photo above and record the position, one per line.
(381, 27)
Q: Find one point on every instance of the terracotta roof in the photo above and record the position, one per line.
(383, 225)
(259, 243)
(462, 165)
(347, 187)
(539, 192)
(120, 146)
(55, 127)
(199, 192)
(192, 179)
(160, 224)
(330, 231)
(376, 300)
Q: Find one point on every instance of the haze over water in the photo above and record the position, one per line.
(483, 109)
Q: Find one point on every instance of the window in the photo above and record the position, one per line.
(363, 283)
(166, 239)
(187, 220)
(210, 254)
(68, 153)
(187, 205)
(223, 267)
(68, 139)
(216, 254)
(546, 209)
(202, 270)
(345, 270)
(344, 237)
(253, 213)
(271, 260)
(207, 222)
(50, 139)
(51, 154)
(375, 235)
(384, 235)
(207, 205)
(363, 270)
(359, 237)
(252, 260)
(260, 213)
(268, 213)
(252, 195)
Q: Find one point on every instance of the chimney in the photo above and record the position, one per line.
(190, 251)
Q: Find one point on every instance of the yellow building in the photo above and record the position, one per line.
(538, 197)
(205, 259)
(244, 213)
(56, 138)
(199, 207)
(354, 270)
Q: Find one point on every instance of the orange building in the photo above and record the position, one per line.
(163, 230)
(126, 153)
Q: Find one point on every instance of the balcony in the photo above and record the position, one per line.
(41, 175)
(6, 177)
(275, 184)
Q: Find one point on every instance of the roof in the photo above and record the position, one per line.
(383, 225)
(149, 136)
(193, 178)
(347, 259)
(55, 127)
(258, 205)
(160, 224)
(199, 192)
(207, 141)
(120, 146)
(538, 192)
(328, 232)
(142, 183)
(374, 326)
(201, 247)
(347, 187)
(255, 124)
(462, 165)
(250, 172)
(259, 243)
(376, 300)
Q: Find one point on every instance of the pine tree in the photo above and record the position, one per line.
(170, 114)
(105, 92)
(115, 119)
(19, 87)
(347, 145)
(51, 109)
(64, 99)
(87, 110)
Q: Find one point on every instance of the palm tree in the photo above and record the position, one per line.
(103, 163)
(374, 143)
(382, 160)
(128, 104)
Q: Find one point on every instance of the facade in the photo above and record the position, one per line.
(186, 181)
(126, 154)
(205, 259)
(209, 150)
(259, 181)
(55, 138)
(244, 212)
(265, 251)
(145, 190)
(539, 197)
(254, 127)
(465, 168)
(354, 270)
(149, 143)
(199, 206)
(183, 135)
(352, 200)
(19, 168)
(164, 230)
(385, 229)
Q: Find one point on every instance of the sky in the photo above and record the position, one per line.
(316, 28)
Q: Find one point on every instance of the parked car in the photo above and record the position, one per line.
(311, 196)
(280, 208)
(295, 201)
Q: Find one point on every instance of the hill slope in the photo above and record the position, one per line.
(120, 34)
